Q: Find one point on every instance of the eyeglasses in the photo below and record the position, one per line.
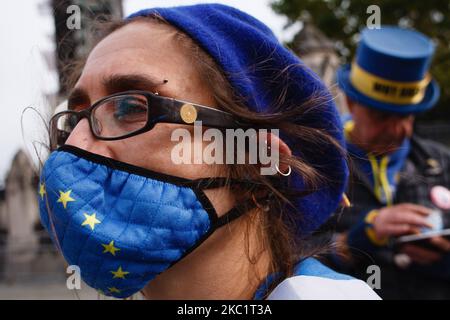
(130, 113)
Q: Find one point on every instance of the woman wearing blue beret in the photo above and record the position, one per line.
(117, 205)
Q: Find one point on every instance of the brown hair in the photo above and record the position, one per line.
(271, 194)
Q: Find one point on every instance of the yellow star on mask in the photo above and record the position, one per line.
(65, 197)
(90, 220)
(114, 290)
(119, 273)
(110, 248)
(42, 190)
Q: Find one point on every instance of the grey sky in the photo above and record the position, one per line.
(24, 75)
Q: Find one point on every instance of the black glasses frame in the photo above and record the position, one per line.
(168, 110)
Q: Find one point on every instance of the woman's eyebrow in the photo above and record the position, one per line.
(113, 84)
(117, 83)
(77, 97)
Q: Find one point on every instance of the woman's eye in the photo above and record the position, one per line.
(131, 110)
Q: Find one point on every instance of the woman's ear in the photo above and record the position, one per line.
(275, 143)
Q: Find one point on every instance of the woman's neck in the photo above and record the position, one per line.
(219, 268)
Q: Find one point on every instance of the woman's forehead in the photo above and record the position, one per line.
(138, 34)
(140, 48)
(146, 49)
(136, 43)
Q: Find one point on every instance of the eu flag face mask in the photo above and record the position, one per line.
(120, 224)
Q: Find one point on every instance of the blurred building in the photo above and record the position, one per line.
(319, 53)
(3, 230)
(30, 266)
(73, 44)
(18, 218)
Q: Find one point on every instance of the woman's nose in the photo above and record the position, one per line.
(82, 137)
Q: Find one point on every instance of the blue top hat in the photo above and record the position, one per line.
(390, 71)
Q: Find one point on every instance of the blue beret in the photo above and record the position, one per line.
(261, 70)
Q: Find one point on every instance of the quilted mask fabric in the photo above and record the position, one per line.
(121, 225)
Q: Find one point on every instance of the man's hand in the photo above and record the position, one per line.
(424, 256)
(400, 219)
(408, 218)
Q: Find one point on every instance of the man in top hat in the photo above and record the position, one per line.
(399, 182)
